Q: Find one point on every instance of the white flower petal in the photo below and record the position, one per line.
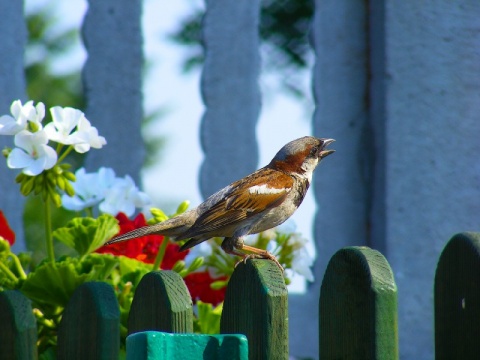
(302, 263)
(64, 122)
(22, 112)
(18, 159)
(31, 153)
(123, 196)
(75, 203)
(90, 188)
(8, 125)
(40, 109)
(87, 136)
(36, 167)
(49, 155)
(82, 148)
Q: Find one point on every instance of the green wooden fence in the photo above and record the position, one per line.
(357, 308)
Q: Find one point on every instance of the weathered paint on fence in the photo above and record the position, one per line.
(358, 307)
(18, 329)
(256, 304)
(153, 345)
(90, 326)
(457, 299)
(161, 303)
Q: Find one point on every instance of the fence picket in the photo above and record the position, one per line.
(256, 304)
(161, 303)
(153, 345)
(90, 326)
(457, 299)
(18, 329)
(358, 307)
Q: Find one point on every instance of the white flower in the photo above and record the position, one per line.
(123, 196)
(22, 114)
(71, 127)
(302, 263)
(64, 121)
(32, 153)
(90, 188)
(87, 136)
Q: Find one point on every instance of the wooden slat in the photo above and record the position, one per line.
(152, 345)
(112, 76)
(256, 304)
(18, 328)
(230, 92)
(90, 326)
(161, 303)
(457, 299)
(358, 307)
(13, 37)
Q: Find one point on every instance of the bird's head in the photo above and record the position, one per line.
(302, 155)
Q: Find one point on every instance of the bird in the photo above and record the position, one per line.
(258, 202)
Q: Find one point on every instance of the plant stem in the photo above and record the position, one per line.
(89, 211)
(161, 253)
(65, 153)
(48, 232)
(18, 266)
(8, 272)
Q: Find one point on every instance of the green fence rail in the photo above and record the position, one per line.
(357, 317)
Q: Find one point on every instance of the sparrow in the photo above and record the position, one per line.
(258, 202)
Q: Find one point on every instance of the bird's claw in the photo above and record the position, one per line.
(265, 255)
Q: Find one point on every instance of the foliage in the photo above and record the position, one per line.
(49, 281)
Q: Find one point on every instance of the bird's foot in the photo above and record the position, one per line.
(235, 246)
(263, 255)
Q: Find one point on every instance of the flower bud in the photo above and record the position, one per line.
(61, 182)
(6, 151)
(69, 189)
(69, 176)
(179, 266)
(183, 207)
(219, 284)
(196, 264)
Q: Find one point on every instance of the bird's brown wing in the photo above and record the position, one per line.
(266, 188)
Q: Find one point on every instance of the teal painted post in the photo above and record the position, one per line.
(256, 305)
(90, 326)
(161, 303)
(358, 307)
(153, 345)
(457, 299)
(18, 328)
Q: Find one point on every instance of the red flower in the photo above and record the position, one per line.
(199, 285)
(5, 230)
(145, 248)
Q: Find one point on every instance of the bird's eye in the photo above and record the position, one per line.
(314, 151)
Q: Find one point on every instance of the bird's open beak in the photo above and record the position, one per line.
(324, 152)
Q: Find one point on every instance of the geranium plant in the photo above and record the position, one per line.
(105, 205)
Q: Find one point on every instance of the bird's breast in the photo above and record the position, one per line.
(282, 212)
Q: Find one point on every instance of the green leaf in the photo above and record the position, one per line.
(128, 265)
(53, 284)
(132, 270)
(209, 317)
(87, 234)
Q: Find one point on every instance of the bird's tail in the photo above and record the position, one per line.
(171, 227)
(146, 230)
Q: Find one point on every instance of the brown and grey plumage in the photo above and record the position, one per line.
(258, 202)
